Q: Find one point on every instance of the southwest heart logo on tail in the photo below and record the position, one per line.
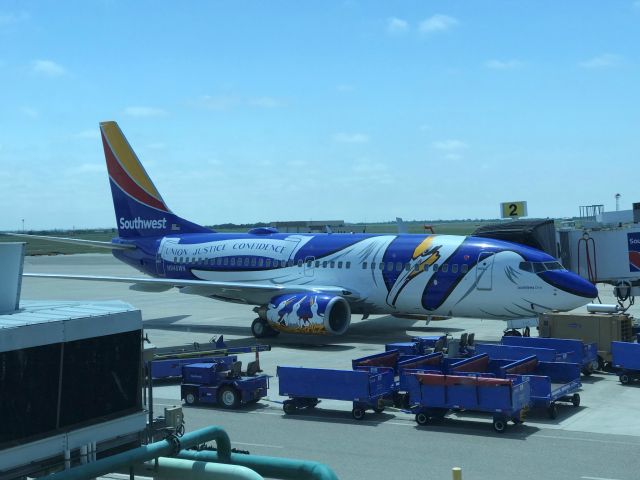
(140, 209)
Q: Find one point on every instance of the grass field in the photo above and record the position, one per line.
(44, 247)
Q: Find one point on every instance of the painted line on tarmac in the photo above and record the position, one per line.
(592, 440)
(598, 478)
(257, 445)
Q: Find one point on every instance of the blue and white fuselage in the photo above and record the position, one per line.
(313, 282)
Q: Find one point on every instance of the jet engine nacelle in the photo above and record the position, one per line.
(309, 313)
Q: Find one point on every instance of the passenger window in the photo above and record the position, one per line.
(300, 262)
(464, 268)
(332, 264)
(254, 261)
(309, 263)
(246, 261)
(347, 265)
(435, 267)
(417, 267)
(175, 259)
(407, 267)
(317, 263)
(339, 264)
(454, 268)
(267, 263)
(194, 260)
(180, 260)
(373, 265)
(225, 261)
(381, 266)
(398, 267)
(260, 262)
(291, 263)
(233, 261)
(445, 268)
(364, 265)
(324, 264)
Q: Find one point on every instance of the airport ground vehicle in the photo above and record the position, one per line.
(585, 354)
(169, 363)
(515, 352)
(368, 388)
(550, 382)
(223, 383)
(626, 361)
(433, 395)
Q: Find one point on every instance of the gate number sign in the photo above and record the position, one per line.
(513, 209)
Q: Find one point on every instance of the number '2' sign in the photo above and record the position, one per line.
(513, 209)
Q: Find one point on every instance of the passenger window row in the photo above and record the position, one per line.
(399, 266)
(257, 262)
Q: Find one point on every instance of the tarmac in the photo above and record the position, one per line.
(598, 440)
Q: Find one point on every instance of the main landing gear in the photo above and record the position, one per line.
(261, 329)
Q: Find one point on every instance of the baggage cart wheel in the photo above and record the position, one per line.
(552, 411)
(575, 399)
(587, 371)
(190, 398)
(358, 413)
(624, 378)
(228, 397)
(600, 363)
(499, 425)
(289, 407)
(422, 418)
(378, 409)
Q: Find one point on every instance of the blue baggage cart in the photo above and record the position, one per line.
(387, 359)
(550, 382)
(516, 352)
(369, 388)
(172, 368)
(625, 358)
(585, 354)
(433, 395)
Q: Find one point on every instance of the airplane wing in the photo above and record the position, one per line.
(75, 241)
(250, 293)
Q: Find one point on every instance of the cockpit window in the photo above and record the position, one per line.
(553, 266)
(526, 266)
(539, 267)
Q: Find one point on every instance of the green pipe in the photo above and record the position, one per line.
(272, 467)
(144, 453)
(179, 469)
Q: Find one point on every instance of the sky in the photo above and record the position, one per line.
(250, 111)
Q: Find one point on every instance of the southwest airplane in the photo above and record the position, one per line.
(313, 283)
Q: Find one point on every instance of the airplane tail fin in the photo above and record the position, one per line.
(140, 210)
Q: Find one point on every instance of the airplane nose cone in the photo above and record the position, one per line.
(570, 283)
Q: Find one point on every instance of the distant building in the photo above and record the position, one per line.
(309, 226)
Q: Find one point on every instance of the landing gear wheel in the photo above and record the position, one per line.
(499, 425)
(190, 399)
(624, 378)
(422, 419)
(289, 407)
(575, 399)
(228, 397)
(261, 329)
(552, 411)
(358, 413)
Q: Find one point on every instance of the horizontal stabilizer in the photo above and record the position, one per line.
(75, 241)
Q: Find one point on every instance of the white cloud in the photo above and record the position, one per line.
(29, 112)
(144, 111)
(449, 145)
(397, 26)
(91, 134)
(503, 64)
(351, 137)
(606, 60)
(48, 68)
(265, 102)
(12, 18)
(345, 88)
(438, 23)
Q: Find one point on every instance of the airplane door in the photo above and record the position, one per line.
(165, 243)
(484, 271)
(309, 266)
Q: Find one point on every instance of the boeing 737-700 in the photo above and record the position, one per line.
(314, 283)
